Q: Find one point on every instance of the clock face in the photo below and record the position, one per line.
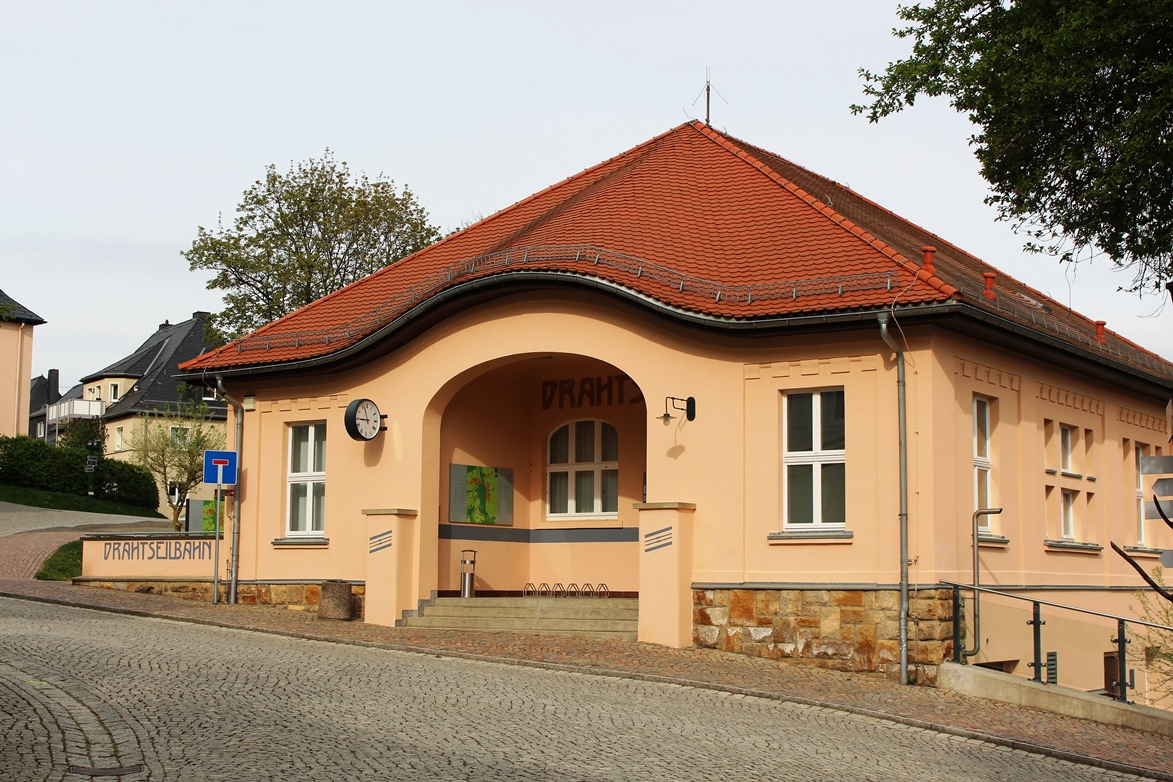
(362, 419)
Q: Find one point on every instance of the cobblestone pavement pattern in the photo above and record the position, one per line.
(191, 702)
(73, 697)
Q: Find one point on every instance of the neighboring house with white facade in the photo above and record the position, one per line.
(146, 382)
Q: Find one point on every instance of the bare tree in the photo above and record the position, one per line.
(171, 444)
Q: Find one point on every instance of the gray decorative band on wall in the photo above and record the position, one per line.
(380, 542)
(514, 535)
(661, 538)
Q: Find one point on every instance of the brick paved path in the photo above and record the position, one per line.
(178, 702)
(24, 553)
(1008, 726)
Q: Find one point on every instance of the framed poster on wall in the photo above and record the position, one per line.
(480, 495)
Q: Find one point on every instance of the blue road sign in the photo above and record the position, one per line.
(220, 467)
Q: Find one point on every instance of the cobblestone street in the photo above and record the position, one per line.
(189, 702)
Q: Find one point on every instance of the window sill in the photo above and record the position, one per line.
(791, 537)
(990, 540)
(307, 542)
(1051, 471)
(1070, 474)
(1144, 552)
(1073, 546)
(584, 521)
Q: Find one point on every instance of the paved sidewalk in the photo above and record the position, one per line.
(29, 535)
(1080, 741)
(25, 518)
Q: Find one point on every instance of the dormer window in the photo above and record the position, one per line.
(114, 392)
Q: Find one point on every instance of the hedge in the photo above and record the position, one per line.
(34, 464)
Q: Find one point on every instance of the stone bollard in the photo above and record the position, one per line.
(336, 601)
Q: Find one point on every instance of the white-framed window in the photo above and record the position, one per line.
(982, 464)
(582, 470)
(1067, 519)
(179, 434)
(307, 480)
(114, 392)
(814, 459)
(1066, 447)
(1139, 452)
(118, 438)
(40, 428)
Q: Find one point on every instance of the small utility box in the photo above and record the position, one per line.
(336, 601)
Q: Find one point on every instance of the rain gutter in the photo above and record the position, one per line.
(903, 447)
(234, 567)
(940, 309)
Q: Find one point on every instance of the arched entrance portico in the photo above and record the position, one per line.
(541, 460)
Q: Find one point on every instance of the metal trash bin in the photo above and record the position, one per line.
(336, 601)
(468, 572)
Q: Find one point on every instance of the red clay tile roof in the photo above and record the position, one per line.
(697, 222)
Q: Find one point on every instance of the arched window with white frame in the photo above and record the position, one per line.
(582, 471)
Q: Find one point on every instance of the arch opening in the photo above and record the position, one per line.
(540, 460)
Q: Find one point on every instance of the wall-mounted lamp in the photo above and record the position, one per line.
(674, 403)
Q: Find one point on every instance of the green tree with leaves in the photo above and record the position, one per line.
(170, 443)
(1073, 103)
(1157, 643)
(80, 432)
(304, 234)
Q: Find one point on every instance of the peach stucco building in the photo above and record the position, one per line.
(530, 378)
(16, 357)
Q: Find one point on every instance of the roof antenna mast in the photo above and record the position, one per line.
(707, 90)
(708, 84)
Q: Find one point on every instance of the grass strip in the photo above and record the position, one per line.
(63, 564)
(39, 498)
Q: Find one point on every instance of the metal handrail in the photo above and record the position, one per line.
(1123, 682)
(1058, 605)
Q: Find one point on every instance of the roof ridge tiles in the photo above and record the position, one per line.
(940, 240)
(436, 246)
(700, 205)
(735, 145)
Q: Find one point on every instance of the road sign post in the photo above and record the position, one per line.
(219, 468)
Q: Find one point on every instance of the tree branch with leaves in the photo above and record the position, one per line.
(302, 235)
(1073, 103)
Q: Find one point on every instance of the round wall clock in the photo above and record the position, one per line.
(362, 419)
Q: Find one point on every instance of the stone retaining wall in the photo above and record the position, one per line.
(304, 597)
(852, 630)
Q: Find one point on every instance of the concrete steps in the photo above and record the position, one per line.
(607, 617)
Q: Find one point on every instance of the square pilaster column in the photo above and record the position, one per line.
(665, 572)
(391, 560)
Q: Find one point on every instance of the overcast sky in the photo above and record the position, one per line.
(126, 125)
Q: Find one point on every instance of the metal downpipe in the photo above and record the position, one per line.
(234, 567)
(903, 425)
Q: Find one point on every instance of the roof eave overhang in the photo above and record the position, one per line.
(955, 315)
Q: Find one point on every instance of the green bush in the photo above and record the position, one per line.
(125, 482)
(31, 463)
